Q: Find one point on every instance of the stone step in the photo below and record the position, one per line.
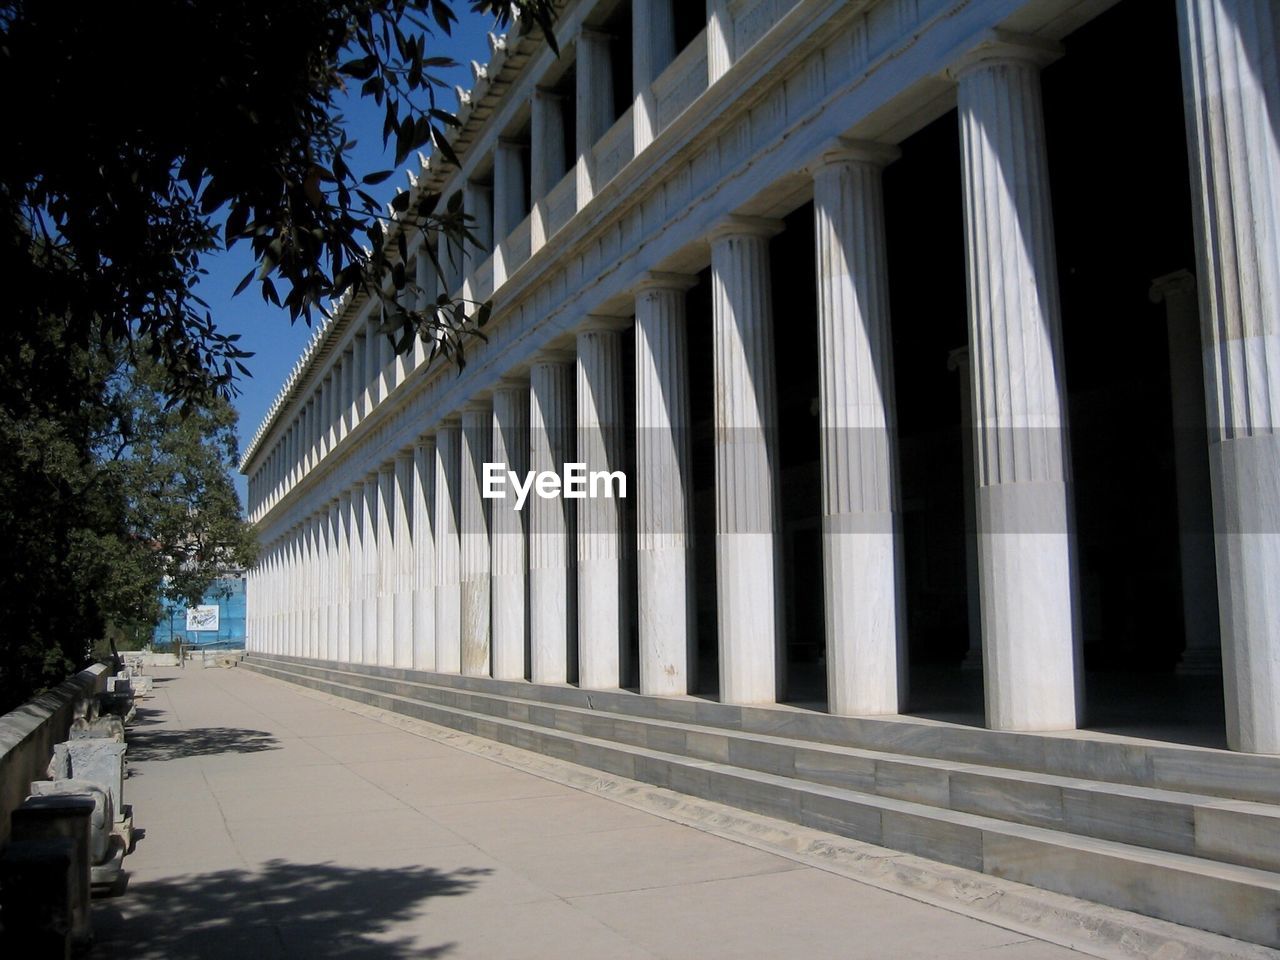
(1231, 831)
(1229, 899)
(1085, 755)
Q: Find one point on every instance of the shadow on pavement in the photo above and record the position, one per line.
(282, 909)
(198, 742)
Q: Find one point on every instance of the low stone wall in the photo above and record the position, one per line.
(27, 736)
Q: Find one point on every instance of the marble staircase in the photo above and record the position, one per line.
(1183, 833)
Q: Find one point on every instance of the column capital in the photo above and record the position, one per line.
(735, 225)
(593, 33)
(387, 467)
(511, 381)
(594, 323)
(546, 93)
(849, 150)
(482, 402)
(452, 421)
(552, 357)
(1007, 47)
(958, 359)
(1180, 281)
(658, 280)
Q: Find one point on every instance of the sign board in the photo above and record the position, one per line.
(202, 618)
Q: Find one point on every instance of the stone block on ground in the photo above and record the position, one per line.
(95, 761)
(117, 705)
(103, 813)
(36, 894)
(103, 728)
(70, 816)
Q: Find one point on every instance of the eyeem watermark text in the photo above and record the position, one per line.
(575, 483)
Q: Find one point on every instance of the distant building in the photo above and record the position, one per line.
(217, 622)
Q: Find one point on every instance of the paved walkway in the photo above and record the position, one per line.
(280, 825)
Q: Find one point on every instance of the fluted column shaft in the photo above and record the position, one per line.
(342, 584)
(599, 409)
(448, 547)
(1027, 565)
(477, 442)
(653, 43)
(719, 39)
(1231, 87)
(333, 581)
(595, 105)
(370, 555)
(355, 573)
(424, 554)
(359, 392)
(310, 564)
(860, 498)
(746, 462)
(402, 536)
(386, 565)
(552, 538)
(510, 572)
(662, 487)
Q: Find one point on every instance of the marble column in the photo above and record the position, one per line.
(379, 357)
(594, 105)
(402, 536)
(653, 44)
(663, 486)
(477, 442)
(311, 622)
(510, 572)
(747, 526)
(296, 607)
(333, 407)
(861, 500)
(546, 160)
(333, 582)
(424, 554)
(1026, 549)
(448, 546)
(386, 566)
(958, 363)
(371, 555)
(342, 583)
(1231, 89)
(600, 425)
(552, 537)
(1202, 653)
(719, 39)
(359, 388)
(355, 573)
(508, 201)
(346, 398)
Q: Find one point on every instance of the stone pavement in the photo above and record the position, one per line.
(281, 825)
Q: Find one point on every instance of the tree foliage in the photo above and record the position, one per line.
(143, 136)
(110, 499)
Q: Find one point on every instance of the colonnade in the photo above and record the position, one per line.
(412, 567)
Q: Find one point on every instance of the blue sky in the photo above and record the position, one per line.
(265, 330)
